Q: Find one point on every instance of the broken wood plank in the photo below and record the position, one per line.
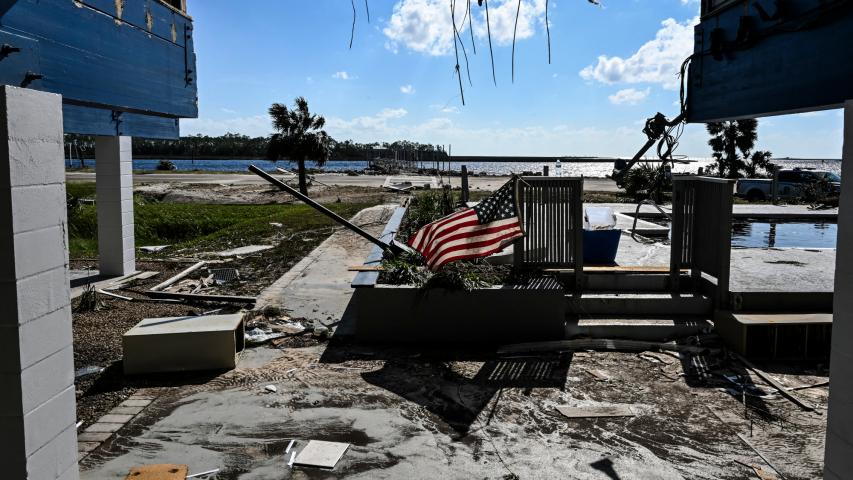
(806, 387)
(202, 298)
(114, 295)
(366, 268)
(598, 344)
(158, 472)
(599, 375)
(751, 446)
(605, 411)
(178, 277)
(783, 390)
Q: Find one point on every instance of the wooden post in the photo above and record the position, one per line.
(464, 184)
(774, 185)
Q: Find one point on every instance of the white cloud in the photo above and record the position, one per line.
(502, 20)
(657, 61)
(343, 76)
(228, 111)
(445, 108)
(630, 96)
(392, 113)
(407, 89)
(425, 26)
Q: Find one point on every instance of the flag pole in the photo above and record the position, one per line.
(391, 246)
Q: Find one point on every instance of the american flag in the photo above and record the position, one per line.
(472, 232)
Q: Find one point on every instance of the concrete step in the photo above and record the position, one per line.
(648, 304)
(630, 282)
(638, 328)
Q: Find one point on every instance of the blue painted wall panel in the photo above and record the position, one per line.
(97, 121)
(141, 64)
(801, 60)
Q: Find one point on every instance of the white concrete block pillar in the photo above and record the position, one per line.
(38, 438)
(114, 187)
(838, 462)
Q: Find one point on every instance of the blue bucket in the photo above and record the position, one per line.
(600, 246)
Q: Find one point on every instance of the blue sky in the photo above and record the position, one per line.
(612, 67)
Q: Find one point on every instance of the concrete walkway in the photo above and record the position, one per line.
(318, 287)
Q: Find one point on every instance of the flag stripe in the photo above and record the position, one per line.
(478, 252)
(473, 234)
(462, 248)
(423, 235)
(467, 216)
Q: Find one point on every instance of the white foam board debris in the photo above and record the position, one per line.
(248, 249)
(154, 248)
(597, 412)
(321, 454)
(271, 388)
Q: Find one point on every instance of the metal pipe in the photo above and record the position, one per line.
(394, 248)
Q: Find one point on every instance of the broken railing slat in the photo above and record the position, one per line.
(178, 277)
(205, 298)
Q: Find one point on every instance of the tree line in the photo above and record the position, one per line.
(236, 146)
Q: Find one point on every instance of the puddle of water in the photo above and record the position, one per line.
(755, 233)
(763, 234)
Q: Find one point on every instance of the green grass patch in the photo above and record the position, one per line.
(203, 226)
(80, 190)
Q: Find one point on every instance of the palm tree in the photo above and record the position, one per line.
(299, 136)
(732, 143)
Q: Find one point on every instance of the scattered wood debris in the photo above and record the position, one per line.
(247, 250)
(180, 276)
(775, 384)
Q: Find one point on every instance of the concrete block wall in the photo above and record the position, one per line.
(114, 189)
(37, 404)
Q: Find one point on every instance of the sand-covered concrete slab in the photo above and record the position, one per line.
(415, 414)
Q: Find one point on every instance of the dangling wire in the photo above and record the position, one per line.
(462, 45)
(514, 30)
(489, 33)
(367, 8)
(548, 31)
(471, 27)
(352, 33)
(456, 50)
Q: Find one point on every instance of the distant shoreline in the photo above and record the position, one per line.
(460, 159)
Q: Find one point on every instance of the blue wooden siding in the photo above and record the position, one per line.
(793, 60)
(125, 67)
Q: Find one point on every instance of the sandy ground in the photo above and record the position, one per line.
(259, 193)
(336, 179)
(427, 414)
